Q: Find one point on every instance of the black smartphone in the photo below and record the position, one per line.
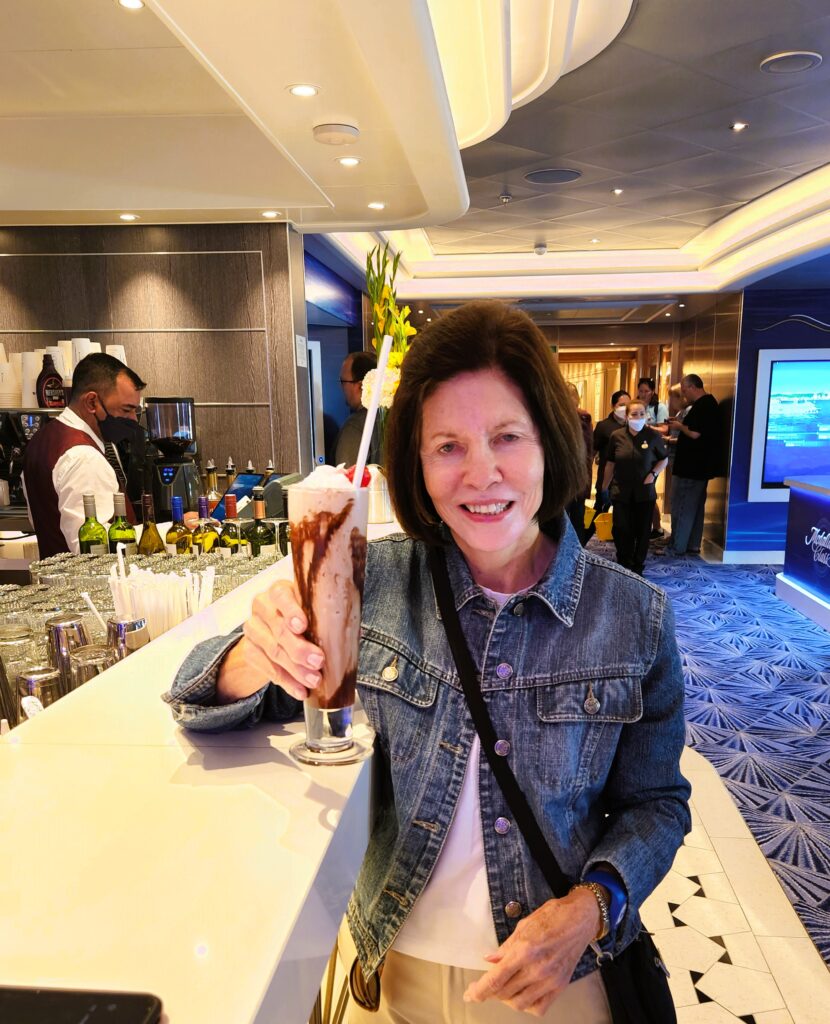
(71, 1006)
(243, 487)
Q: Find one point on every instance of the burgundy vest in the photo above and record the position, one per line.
(42, 453)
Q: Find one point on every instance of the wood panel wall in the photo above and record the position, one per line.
(207, 311)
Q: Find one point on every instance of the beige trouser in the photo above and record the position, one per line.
(416, 991)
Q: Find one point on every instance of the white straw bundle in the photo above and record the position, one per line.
(163, 599)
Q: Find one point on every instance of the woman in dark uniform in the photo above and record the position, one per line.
(602, 433)
(636, 455)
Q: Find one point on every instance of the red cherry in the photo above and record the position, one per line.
(367, 476)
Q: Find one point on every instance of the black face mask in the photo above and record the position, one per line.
(119, 428)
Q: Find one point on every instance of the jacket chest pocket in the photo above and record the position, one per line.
(580, 724)
(399, 695)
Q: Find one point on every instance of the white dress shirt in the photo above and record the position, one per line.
(81, 470)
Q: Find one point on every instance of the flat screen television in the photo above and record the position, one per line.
(791, 429)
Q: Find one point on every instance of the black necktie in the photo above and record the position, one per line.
(111, 455)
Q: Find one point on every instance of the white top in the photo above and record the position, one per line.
(452, 922)
(81, 470)
(660, 415)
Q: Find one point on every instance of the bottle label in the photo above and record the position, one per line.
(97, 549)
(225, 552)
(170, 549)
(268, 550)
(130, 548)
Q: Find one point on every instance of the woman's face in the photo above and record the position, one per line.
(482, 461)
(644, 393)
(636, 411)
(622, 402)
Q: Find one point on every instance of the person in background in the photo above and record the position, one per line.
(697, 459)
(484, 455)
(677, 410)
(635, 457)
(576, 509)
(657, 415)
(67, 457)
(602, 434)
(355, 367)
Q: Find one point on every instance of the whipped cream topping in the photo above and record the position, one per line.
(328, 477)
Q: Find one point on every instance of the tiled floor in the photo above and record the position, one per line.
(727, 932)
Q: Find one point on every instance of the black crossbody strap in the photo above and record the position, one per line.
(516, 800)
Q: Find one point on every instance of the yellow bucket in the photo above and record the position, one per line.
(603, 524)
(589, 516)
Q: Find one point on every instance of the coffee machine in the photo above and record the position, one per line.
(16, 430)
(174, 472)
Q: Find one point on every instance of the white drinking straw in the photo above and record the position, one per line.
(93, 609)
(372, 411)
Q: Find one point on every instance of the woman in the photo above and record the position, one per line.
(635, 457)
(602, 434)
(582, 679)
(576, 508)
(657, 415)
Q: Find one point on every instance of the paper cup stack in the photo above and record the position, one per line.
(83, 347)
(9, 383)
(32, 364)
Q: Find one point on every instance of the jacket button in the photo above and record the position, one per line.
(502, 826)
(504, 671)
(513, 909)
(519, 609)
(502, 747)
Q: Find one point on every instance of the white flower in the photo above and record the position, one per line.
(391, 379)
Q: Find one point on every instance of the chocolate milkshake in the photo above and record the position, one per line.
(328, 544)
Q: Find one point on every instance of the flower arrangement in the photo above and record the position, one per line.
(388, 318)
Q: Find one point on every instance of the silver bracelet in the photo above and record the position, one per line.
(602, 903)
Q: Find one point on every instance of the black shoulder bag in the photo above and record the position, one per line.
(635, 980)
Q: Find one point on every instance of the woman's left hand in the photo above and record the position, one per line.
(536, 962)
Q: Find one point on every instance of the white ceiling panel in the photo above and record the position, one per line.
(641, 152)
(543, 207)
(706, 171)
(64, 25)
(561, 129)
(808, 98)
(767, 119)
(493, 157)
(810, 146)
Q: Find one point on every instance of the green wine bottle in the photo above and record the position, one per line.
(261, 535)
(92, 536)
(121, 531)
(205, 536)
(150, 542)
(178, 540)
(232, 541)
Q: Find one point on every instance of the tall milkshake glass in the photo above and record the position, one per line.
(328, 517)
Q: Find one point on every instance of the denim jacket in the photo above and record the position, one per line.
(582, 678)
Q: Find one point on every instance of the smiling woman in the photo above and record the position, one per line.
(465, 910)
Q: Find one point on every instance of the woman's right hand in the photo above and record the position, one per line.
(272, 649)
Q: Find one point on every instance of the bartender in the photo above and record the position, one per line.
(74, 454)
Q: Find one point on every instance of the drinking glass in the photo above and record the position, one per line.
(89, 661)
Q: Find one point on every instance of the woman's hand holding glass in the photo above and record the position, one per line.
(536, 962)
(272, 649)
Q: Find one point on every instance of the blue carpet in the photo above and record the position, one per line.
(758, 708)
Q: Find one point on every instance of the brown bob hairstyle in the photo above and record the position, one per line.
(485, 335)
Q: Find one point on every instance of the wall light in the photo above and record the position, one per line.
(270, 214)
(681, 305)
(668, 314)
(420, 311)
(128, 216)
(594, 241)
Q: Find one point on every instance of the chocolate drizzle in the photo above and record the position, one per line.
(319, 531)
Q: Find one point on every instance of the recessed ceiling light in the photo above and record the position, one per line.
(335, 134)
(270, 214)
(348, 161)
(681, 305)
(377, 206)
(131, 5)
(429, 319)
(553, 176)
(420, 311)
(668, 314)
(128, 216)
(739, 126)
(303, 90)
(617, 191)
(790, 62)
(594, 241)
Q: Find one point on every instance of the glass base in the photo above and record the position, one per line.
(358, 750)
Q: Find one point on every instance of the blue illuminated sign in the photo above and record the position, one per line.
(807, 558)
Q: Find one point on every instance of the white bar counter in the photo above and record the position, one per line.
(208, 869)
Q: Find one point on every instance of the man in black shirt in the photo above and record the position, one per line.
(696, 461)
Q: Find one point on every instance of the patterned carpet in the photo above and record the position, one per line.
(758, 708)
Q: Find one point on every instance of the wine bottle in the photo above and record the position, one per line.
(178, 540)
(261, 535)
(230, 472)
(213, 494)
(205, 536)
(150, 542)
(92, 536)
(232, 541)
(121, 531)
